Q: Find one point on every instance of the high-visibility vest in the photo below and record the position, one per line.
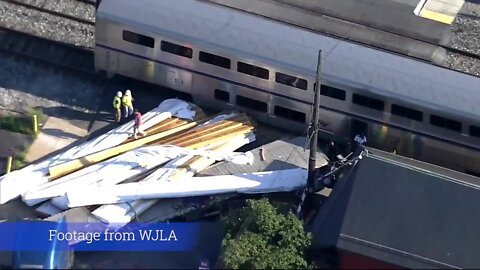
(117, 102)
(127, 101)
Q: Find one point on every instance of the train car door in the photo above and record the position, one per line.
(179, 80)
(112, 64)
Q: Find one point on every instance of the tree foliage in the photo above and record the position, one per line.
(258, 236)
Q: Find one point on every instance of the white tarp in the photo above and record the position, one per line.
(114, 170)
(18, 182)
(119, 169)
(118, 215)
(259, 182)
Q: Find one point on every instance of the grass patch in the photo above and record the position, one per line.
(41, 117)
(22, 124)
(19, 124)
(18, 161)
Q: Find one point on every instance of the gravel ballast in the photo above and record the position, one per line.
(74, 8)
(466, 37)
(26, 84)
(45, 25)
(466, 28)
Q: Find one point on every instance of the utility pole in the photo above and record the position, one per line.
(314, 128)
(306, 200)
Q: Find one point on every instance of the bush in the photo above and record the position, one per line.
(258, 236)
(18, 161)
(16, 124)
(22, 124)
(41, 117)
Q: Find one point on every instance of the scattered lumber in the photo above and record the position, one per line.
(117, 177)
(26, 179)
(118, 215)
(63, 169)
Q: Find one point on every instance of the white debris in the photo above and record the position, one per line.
(21, 181)
(118, 215)
(259, 182)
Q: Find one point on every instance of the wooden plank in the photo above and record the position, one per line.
(208, 132)
(166, 127)
(217, 137)
(175, 123)
(199, 163)
(79, 163)
(162, 126)
(203, 130)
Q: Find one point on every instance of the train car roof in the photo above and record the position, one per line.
(270, 42)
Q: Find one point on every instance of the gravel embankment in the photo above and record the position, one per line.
(466, 28)
(463, 63)
(73, 8)
(466, 37)
(24, 85)
(46, 25)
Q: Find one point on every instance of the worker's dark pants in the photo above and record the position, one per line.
(332, 154)
(357, 147)
(118, 114)
(128, 110)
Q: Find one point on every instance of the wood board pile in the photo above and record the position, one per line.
(18, 182)
(172, 149)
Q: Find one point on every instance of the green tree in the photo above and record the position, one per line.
(259, 236)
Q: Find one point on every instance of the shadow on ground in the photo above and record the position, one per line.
(16, 142)
(60, 133)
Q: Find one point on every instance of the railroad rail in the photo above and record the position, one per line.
(41, 8)
(48, 51)
(88, 2)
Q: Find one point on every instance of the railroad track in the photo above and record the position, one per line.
(55, 53)
(42, 7)
(89, 2)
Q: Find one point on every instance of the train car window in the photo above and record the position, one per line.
(222, 95)
(138, 39)
(407, 112)
(332, 92)
(290, 81)
(475, 131)
(369, 102)
(252, 70)
(215, 60)
(289, 114)
(445, 123)
(176, 49)
(251, 104)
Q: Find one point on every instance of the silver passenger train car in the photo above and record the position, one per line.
(229, 59)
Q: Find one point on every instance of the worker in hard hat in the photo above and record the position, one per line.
(127, 103)
(117, 106)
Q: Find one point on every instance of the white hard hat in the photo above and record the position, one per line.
(119, 93)
(127, 93)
